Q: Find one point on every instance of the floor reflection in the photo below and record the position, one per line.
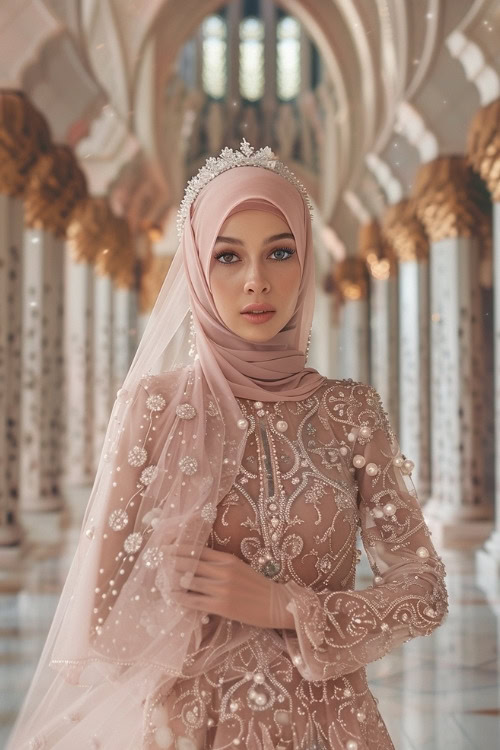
(439, 692)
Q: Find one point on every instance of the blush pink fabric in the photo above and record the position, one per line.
(172, 449)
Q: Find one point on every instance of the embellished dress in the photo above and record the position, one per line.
(313, 472)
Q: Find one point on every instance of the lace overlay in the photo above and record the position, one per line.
(312, 473)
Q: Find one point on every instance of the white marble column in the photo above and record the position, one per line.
(459, 491)
(42, 371)
(11, 241)
(414, 431)
(384, 343)
(488, 558)
(103, 362)
(79, 348)
(353, 340)
(124, 333)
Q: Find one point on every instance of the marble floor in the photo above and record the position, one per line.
(440, 692)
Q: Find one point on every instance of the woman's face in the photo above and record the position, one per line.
(254, 263)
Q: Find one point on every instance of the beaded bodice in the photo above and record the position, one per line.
(292, 512)
(312, 473)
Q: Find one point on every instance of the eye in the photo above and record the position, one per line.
(225, 254)
(287, 250)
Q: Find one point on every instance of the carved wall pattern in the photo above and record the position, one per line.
(414, 369)
(11, 236)
(457, 382)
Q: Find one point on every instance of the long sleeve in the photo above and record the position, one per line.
(337, 632)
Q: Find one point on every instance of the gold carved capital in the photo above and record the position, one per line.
(350, 279)
(448, 199)
(96, 235)
(483, 146)
(118, 260)
(153, 273)
(375, 249)
(55, 185)
(24, 137)
(405, 232)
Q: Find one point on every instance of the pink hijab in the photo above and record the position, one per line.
(173, 448)
(274, 370)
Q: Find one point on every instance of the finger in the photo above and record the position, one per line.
(207, 553)
(202, 586)
(204, 569)
(191, 601)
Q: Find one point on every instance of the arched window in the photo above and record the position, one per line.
(287, 58)
(214, 68)
(251, 58)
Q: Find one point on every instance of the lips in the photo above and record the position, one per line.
(257, 308)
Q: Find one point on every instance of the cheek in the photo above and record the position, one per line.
(289, 281)
(222, 288)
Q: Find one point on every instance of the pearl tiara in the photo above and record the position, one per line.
(245, 157)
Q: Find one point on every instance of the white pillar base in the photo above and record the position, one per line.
(452, 530)
(488, 566)
(42, 504)
(10, 534)
(11, 569)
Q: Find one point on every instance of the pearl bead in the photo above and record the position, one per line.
(210, 722)
(297, 660)
(398, 461)
(351, 745)
(423, 552)
(233, 706)
(344, 451)
(378, 512)
(282, 426)
(365, 432)
(259, 678)
(242, 424)
(378, 579)
(252, 693)
(260, 699)
(389, 509)
(258, 405)
(361, 716)
(359, 461)
(205, 619)
(351, 437)
(163, 737)
(429, 612)
(236, 741)
(347, 693)
(372, 470)
(408, 466)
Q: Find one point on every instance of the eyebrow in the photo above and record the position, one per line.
(234, 241)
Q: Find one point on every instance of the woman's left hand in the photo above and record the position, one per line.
(225, 585)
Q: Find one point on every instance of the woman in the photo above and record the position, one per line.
(210, 603)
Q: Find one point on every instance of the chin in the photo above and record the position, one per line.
(258, 336)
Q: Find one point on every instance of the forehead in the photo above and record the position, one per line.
(257, 222)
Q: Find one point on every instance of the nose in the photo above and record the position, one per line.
(256, 284)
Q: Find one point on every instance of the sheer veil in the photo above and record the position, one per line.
(172, 450)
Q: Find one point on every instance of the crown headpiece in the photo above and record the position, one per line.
(245, 157)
